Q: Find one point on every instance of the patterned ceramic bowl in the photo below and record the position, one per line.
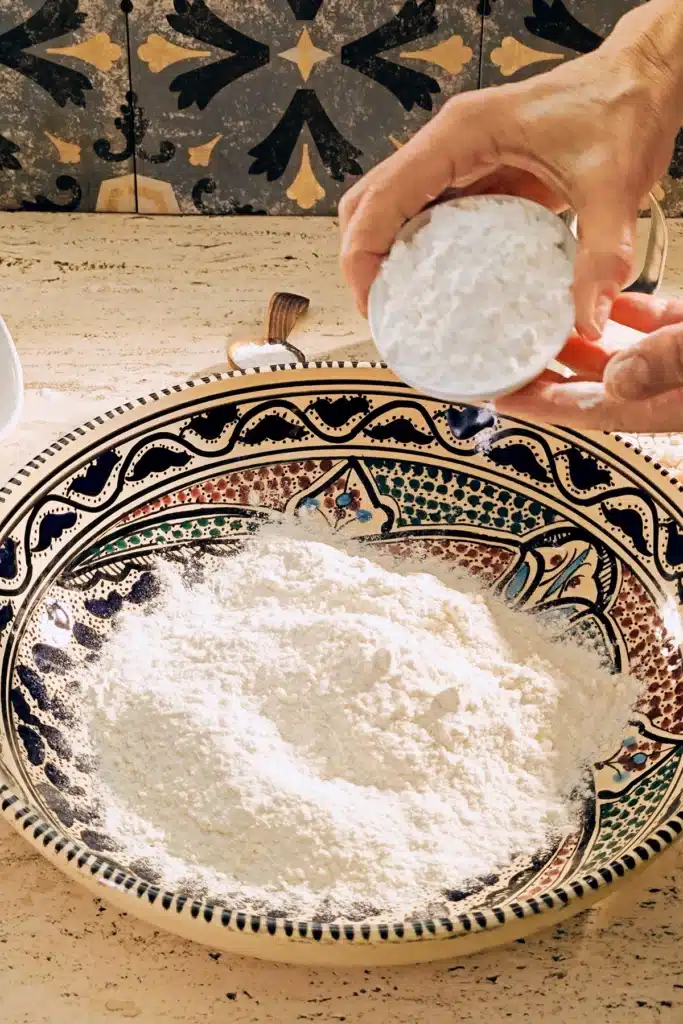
(587, 527)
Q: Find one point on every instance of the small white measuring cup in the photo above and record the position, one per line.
(552, 346)
(11, 383)
(648, 282)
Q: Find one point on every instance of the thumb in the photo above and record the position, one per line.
(654, 366)
(604, 259)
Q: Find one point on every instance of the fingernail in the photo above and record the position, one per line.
(602, 311)
(592, 331)
(628, 377)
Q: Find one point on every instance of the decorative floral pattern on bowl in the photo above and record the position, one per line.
(583, 531)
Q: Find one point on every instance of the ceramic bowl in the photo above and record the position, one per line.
(585, 528)
(11, 383)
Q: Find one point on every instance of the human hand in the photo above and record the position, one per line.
(638, 389)
(594, 134)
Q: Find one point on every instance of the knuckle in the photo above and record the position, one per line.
(347, 257)
(349, 201)
(623, 261)
(351, 259)
(344, 204)
(663, 354)
(379, 190)
(668, 311)
(676, 355)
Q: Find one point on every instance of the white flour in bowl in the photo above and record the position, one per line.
(478, 301)
(316, 729)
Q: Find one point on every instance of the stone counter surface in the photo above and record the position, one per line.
(105, 308)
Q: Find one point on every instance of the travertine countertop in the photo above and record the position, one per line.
(104, 308)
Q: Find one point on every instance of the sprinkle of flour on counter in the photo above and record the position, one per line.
(252, 354)
(317, 729)
(479, 300)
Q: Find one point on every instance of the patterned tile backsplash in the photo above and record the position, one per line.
(252, 106)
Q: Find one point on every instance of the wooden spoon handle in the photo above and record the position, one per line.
(284, 310)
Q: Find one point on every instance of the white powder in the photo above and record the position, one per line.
(252, 354)
(478, 301)
(317, 731)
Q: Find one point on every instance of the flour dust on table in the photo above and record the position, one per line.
(318, 729)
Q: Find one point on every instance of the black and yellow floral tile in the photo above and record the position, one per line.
(522, 38)
(63, 77)
(219, 106)
(280, 105)
(242, 106)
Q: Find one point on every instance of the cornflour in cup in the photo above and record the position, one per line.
(475, 298)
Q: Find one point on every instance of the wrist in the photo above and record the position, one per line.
(649, 42)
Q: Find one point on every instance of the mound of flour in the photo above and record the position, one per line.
(478, 300)
(320, 730)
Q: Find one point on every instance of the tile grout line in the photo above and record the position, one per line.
(481, 44)
(126, 9)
